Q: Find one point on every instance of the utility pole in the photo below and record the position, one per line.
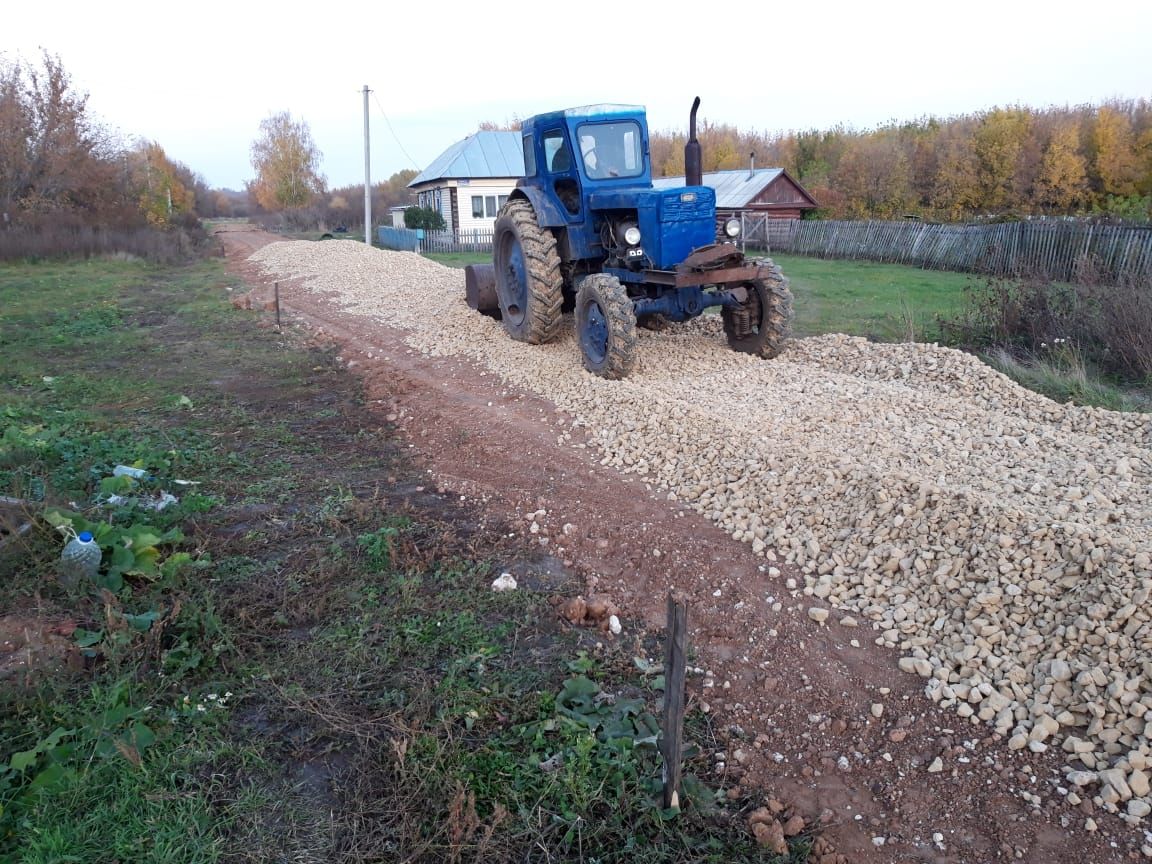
(367, 175)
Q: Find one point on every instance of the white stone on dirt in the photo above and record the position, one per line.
(504, 582)
(817, 614)
(937, 766)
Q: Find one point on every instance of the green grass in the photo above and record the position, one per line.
(459, 259)
(885, 302)
(386, 705)
(1067, 378)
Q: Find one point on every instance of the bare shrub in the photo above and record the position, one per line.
(65, 237)
(1108, 325)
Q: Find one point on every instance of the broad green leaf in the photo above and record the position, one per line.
(123, 558)
(87, 638)
(144, 621)
(140, 536)
(56, 518)
(23, 759)
(112, 581)
(116, 485)
(146, 562)
(52, 774)
(174, 563)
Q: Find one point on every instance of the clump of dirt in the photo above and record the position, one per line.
(29, 645)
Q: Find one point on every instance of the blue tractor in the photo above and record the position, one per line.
(585, 230)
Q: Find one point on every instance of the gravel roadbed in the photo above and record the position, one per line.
(1000, 541)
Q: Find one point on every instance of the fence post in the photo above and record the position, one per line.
(672, 742)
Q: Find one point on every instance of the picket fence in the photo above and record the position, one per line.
(409, 240)
(1064, 250)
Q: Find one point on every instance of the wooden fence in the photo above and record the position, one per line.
(457, 241)
(1063, 250)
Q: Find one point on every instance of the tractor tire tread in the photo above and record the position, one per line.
(775, 325)
(621, 318)
(545, 281)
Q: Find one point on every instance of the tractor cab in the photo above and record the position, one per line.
(589, 178)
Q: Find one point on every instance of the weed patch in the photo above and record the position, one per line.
(296, 661)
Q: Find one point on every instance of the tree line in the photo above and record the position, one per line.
(1086, 160)
(60, 169)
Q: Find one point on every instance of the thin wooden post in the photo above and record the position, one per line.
(277, 293)
(672, 743)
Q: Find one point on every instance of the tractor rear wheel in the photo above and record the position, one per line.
(763, 323)
(529, 286)
(606, 326)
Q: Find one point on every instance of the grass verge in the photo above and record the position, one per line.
(300, 659)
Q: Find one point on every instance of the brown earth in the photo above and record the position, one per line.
(794, 696)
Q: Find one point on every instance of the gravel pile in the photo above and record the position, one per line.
(1001, 541)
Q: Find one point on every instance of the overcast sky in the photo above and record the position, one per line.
(199, 77)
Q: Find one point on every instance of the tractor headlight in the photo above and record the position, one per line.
(732, 228)
(631, 235)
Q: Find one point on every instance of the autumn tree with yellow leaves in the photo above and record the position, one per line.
(1010, 161)
(287, 164)
(162, 192)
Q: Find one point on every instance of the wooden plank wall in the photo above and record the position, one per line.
(1062, 250)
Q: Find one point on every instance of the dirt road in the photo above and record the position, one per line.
(819, 714)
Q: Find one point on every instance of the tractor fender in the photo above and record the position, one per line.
(548, 213)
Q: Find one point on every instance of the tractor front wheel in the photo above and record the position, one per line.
(529, 286)
(763, 323)
(606, 326)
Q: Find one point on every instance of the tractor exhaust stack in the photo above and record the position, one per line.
(693, 173)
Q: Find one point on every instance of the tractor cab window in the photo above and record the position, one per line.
(611, 150)
(529, 157)
(557, 156)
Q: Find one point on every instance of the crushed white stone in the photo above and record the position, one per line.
(1001, 541)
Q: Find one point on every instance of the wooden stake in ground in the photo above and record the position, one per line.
(672, 741)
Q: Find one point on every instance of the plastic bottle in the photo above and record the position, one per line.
(80, 560)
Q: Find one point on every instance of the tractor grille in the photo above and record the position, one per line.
(672, 209)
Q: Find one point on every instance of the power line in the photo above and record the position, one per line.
(393, 131)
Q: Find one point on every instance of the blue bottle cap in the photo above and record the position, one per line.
(84, 536)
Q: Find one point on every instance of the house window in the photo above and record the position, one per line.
(490, 206)
(477, 207)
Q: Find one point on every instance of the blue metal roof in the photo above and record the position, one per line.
(485, 154)
(733, 188)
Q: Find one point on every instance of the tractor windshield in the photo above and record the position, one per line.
(611, 149)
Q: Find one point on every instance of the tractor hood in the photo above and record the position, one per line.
(672, 222)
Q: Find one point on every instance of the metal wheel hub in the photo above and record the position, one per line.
(515, 279)
(594, 337)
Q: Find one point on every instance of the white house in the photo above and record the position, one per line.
(469, 181)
